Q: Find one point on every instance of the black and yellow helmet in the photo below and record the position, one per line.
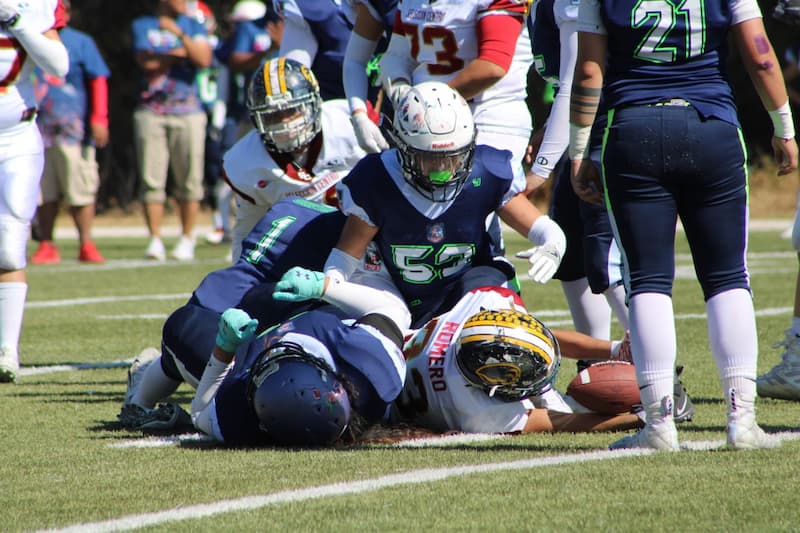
(507, 353)
(285, 105)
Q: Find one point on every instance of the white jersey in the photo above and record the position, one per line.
(435, 394)
(260, 181)
(444, 39)
(16, 87)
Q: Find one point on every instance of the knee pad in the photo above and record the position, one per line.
(13, 240)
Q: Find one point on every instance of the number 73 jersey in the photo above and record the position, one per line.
(16, 68)
(443, 37)
(435, 395)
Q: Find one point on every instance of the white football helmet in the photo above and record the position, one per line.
(285, 105)
(434, 133)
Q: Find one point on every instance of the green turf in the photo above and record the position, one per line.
(60, 466)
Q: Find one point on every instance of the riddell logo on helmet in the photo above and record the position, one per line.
(442, 145)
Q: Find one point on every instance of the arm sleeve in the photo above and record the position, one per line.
(742, 10)
(298, 42)
(589, 17)
(497, 39)
(98, 101)
(49, 54)
(556, 136)
(354, 73)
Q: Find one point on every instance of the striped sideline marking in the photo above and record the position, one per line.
(367, 485)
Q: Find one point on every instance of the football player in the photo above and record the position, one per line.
(487, 366)
(695, 169)
(300, 146)
(481, 49)
(294, 232)
(305, 381)
(424, 204)
(29, 31)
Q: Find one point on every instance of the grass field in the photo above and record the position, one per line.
(64, 463)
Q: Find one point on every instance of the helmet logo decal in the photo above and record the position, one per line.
(499, 373)
(435, 233)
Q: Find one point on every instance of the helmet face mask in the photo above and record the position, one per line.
(508, 354)
(435, 136)
(285, 106)
(297, 397)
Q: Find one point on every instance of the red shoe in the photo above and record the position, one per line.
(89, 254)
(47, 254)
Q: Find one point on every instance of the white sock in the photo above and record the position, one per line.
(154, 386)
(615, 296)
(732, 336)
(12, 307)
(591, 314)
(653, 345)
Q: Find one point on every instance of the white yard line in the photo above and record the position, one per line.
(429, 475)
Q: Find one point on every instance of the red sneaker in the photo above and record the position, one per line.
(89, 254)
(47, 254)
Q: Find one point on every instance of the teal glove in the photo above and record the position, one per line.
(234, 329)
(300, 284)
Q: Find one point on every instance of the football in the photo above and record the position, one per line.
(607, 388)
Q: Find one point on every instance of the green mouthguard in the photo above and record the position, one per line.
(440, 176)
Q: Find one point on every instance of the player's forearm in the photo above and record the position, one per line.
(46, 49)
(576, 345)
(544, 421)
(476, 77)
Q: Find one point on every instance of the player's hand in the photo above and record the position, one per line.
(368, 134)
(586, 182)
(544, 262)
(300, 284)
(8, 11)
(785, 151)
(234, 329)
(100, 135)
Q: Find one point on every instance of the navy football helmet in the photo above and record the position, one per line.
(507, 353)
(298, 398)
(434, 133)
(285, 106)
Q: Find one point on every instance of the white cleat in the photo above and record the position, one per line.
(783, 381)
(659, 433)
(155, 250)
(749, 436)
(9, 365)
(137, 369)
(184, 250)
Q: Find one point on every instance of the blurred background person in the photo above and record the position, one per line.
(169, 121)
(73, 120)
(33, 26)
(255, 38)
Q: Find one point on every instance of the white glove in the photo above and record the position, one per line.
(368, 134)
(552, 245)
(8, 10)
(544, 262)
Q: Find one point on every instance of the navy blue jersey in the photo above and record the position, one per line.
(294, 232)
(331, 28)
(545, 41)
(367, 361)
(663, 50)
(386, 9)
(427, 256)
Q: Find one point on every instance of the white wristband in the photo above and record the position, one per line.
(782, 123)
(579, 141)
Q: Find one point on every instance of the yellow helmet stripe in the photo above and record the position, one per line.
(281, 75)
(266, 72)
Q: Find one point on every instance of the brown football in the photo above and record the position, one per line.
(608, 388)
